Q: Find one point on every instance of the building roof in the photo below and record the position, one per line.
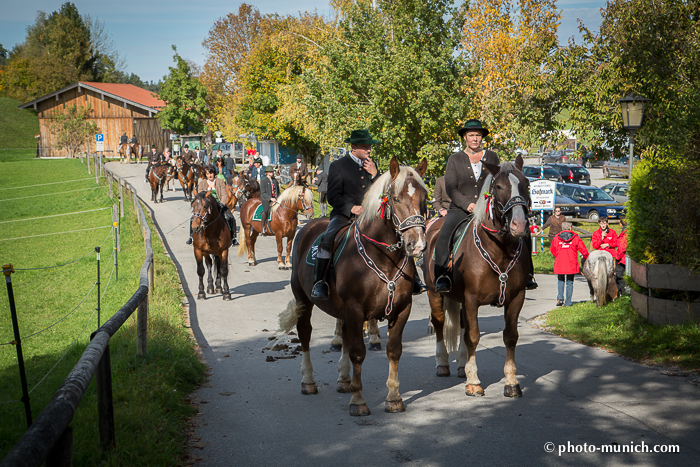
(128, 93)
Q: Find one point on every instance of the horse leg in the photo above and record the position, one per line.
(344, 380)
(510, 339)
(352, 338)
(250, 242)
(375, 343)
(437, 318)
(210, 279)
(303, 309)
(394, 348)
(224, 275)
(471, 335)
(280, 245)
(198, 256)
(337, 342)
(217, 270)
(288, 259)
(161, 192)
(462, 357)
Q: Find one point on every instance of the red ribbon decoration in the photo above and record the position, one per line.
(382, 206)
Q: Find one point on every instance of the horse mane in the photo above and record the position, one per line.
(372, 200)
(290, 195)
(480, 212)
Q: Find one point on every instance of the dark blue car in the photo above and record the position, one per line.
(598, 200)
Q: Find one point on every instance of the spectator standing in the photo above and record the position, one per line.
(554, 223)
(208, 150)
(230, 163)
(621, 258)
(442, 199)
(604, 238)
(565, 248)
(321, 181)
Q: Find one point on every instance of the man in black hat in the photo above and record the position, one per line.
(258, 171)
(133, 140)
(321, 181)
(123, 139)
(187, 155)
(298, 172)
(153, 158)
(269, 192)
(464, 180)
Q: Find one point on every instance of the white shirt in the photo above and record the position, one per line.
(477, 169)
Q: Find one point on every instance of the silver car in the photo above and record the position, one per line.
(617, 190)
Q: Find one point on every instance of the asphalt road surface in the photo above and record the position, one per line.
(581, 406)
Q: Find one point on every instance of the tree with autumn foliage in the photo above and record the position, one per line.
(509, 46)
(73, 128)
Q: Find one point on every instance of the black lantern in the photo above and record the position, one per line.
(632, 108)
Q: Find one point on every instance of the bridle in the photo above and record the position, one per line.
(514, 201)
(203, 225)
(304, 207)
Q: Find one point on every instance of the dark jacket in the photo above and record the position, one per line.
(322, 182)
(255, 172)
(188, 156)
(230, 164)
(460, 183)
(157, 157)
(565, 248)
(299, 175)
(266, 189)
(123, 139)
(442, 201)
(347, 185)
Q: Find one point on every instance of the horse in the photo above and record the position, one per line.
(137, 151)
(283, 222)
(171, 175)
(490, 267)
(210, 237)
(240, 188)
(157, 178)
(599, 271)
(373, 280)
(186, 175)
(124, 151)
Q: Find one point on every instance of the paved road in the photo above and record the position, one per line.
(575, 397)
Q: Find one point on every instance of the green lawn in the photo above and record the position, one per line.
(150, 393)
(17, 129)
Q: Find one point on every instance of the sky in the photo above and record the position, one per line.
(143, 31)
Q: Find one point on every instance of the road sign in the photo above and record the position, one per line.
(173, 136)
(542, 193)
(219, 140)
(99, 142)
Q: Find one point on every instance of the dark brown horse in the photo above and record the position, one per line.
(490, 267)
(373, 280)
(211, 237)
(283, 222)
(186, 175)
(137, 152)
(157, 178)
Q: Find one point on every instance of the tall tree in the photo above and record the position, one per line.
(185, 98)
(73, 128)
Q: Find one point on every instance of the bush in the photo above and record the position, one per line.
(664, 213)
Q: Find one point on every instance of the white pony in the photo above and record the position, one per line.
(599, 270)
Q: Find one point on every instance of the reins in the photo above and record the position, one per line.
(203, 226)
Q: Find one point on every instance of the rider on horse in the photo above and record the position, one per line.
(153, 158)
(123, 139)
(217, 188)
(464, 180)
(133, 140)
(257, 170)
(269, 192)
(298, 172)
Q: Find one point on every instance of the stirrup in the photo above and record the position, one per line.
(443, 284)
(320, 290)
(419, 287)
(189, 241)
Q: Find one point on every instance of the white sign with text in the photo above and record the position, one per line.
(542, 193)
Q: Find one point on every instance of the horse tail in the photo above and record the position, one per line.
(601, 281)
(241, 241)
(451, 329)
(289, 317)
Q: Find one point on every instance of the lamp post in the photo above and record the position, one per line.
(632, 108)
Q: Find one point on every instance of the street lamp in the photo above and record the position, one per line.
(632, 108)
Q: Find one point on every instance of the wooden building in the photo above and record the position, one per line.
(116, 109)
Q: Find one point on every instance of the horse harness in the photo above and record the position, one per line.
(204, 224)
(304, 206)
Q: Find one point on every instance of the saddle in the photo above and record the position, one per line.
(339, 242)
(456, 239)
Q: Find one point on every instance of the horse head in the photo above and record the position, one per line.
(305, 202)
(204, 211)
(399, 197)
(506, 199)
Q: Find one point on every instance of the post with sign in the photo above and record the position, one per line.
(542, 194)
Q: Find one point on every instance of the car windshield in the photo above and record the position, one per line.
(596, 194)
(579, 170)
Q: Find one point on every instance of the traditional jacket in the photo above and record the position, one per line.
(461, 184)
(322, 182)
(554, 223)
(257, 173)
(442, 201)
(610, 238)
(266, 189)
(188, 156)
(347, 185)
(123, 139)
(565, 248)
(298, 173)
(219, 186)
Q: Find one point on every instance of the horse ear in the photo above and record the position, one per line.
(394, 167)
(494, 169)
(519, 162)
(422, 167)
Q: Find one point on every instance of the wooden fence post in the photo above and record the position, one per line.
(105, 407)
(150, 279)
(88, 163)
(61, 455)
(121, 199)
(142, 325)
(97, 175)
(109, 180)
(136, 206)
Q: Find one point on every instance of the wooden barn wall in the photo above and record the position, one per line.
(112, 116)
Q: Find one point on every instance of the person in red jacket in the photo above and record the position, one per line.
(604, 238)
(565, 248)
(621, 258)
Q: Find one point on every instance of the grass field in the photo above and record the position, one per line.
(150, 393)
(17, 130)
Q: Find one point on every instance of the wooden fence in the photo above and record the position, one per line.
(50, 437)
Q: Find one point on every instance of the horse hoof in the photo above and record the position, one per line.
(461, 373)
(281, 268)
(359, 410)
(336, 347)
(512, 390)
(210, 290)
(474, 390)
(252, 264)
(201, 296)
(343, 386)
(376, 346)
(227, 296)
(443, 371)
(394, 406)
(218, 290)
(309, 388)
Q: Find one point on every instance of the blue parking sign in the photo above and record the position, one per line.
(99, 137)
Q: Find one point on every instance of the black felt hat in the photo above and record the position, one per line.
(361, 137)
(473, 125)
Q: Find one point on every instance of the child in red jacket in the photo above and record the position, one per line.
(565, 247)
(621, 258)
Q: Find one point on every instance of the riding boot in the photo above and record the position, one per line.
(189, 240)
(418, 286)
(231, 222)
(531, 283)
(443, 283)
(320, 289)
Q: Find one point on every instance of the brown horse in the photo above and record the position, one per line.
(187, 177)
(157, 178)
(490, 267)
(373, 280)
(137, 152)
(124, 151)
(241, 188)
(283, 222)
(211, 238)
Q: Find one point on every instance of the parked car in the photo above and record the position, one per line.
(535, 172)
(555, 157)
(572, 173)
(617, 190)
(618, 167)
(589, 159)
(597, 200)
